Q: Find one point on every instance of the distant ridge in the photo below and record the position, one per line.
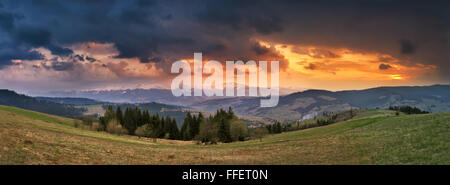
(11, 98)
(163, 96)
(70, 100)
(434, 98)
(76, 107)
(291, 107)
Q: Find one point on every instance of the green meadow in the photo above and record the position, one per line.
(371, 137)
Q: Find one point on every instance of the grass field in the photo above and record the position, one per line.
(373, 137)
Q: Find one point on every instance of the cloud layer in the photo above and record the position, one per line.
(157, 33)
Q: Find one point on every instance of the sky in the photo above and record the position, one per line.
(51, 45)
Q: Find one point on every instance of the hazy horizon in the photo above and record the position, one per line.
(283, 91)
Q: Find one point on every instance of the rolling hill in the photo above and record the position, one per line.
(291, 107)
(70, 100)
(309, 103)
(176, 112)
(77, 107)
(373, 137)
(11, 98)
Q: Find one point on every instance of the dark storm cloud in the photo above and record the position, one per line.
(154, 60)
(33, 36)
(64, 62)
(311, 66)
(240, 15)
(375, 26)
(384, 66)
(260, 50)
(56, 50)
(6, 20)
(315, 53)
(214, 48)
(62, 66)
(8, 53)
(50, 24)
(79, 57)
(90, 59)
(407, 47)
(164, 31)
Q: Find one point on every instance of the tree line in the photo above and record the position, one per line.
(276, 128)
(408, 110)
(130, 121)
(224, 126)
(326, 119)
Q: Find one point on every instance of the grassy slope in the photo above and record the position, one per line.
(374, 137)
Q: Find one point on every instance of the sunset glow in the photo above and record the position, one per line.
(315, 65)
(130, 54)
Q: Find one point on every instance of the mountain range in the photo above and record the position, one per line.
(163, 96)
(310, 103)
(291, 107)
(70, 100)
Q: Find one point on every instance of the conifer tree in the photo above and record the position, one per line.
(167, 124)
(186, 128)
(109, 115)
(223, 132)
(194, 126)
(146, 117)
(129, 121)
(176, 131)
(173, 129)
(119, 115)
(185, 133)
(230, 113)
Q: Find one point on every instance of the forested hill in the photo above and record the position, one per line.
(306, 104)
(70, 100)
(11, 98)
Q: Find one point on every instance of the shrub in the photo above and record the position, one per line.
(207, 133)
(141, 131)
(96, 126)
(114, 127)
(76, 123)
(238, 130)
(260, 132)
(147, 131)
(166, 135)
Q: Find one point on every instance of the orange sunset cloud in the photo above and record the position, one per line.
(333, 68)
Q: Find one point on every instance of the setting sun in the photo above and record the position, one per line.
(396, 77)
